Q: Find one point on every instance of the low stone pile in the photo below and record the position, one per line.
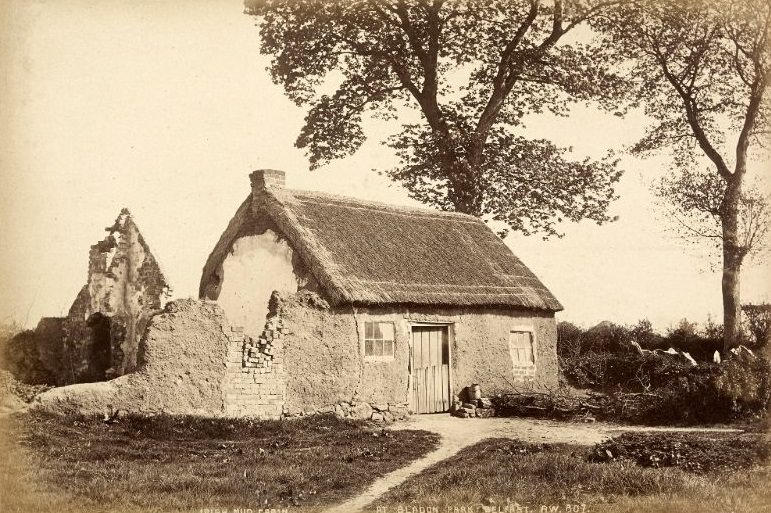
(482, 407)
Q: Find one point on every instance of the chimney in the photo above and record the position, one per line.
(267, 179)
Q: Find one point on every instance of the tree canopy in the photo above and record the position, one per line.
(474, 69)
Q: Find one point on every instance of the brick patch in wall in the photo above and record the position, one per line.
(254, 382)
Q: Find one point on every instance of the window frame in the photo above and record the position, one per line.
(533, 353)
(364, 339)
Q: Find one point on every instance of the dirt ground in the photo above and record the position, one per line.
(458, 433)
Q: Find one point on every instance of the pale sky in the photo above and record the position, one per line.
(165, 107)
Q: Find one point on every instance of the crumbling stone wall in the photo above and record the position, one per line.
(182, 369)
(255, 379)
(127, 287)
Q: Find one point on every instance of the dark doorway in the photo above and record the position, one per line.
(101, 345)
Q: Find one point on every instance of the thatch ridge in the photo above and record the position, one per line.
(371, 253)
(293, 195)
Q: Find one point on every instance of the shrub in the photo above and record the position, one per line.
(651, 390)
(746, 380)
(647, 388)
(757, 322)
(569, 339)
(697, 453)
(20, 357)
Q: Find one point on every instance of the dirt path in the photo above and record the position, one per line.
(459, 433)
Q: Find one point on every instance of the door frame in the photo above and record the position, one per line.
(450, 342)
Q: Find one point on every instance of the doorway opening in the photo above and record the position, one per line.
(101, 345)
(430, 369)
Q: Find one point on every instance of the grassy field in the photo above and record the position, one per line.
(496, 474)
(165, 464)
(185, 464)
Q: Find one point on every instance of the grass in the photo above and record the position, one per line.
(166, 464)
(496, 473)
(169, 464)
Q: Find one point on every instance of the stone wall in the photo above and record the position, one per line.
(182, 369)
(308, 358)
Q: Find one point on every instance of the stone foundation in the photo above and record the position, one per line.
(356, 410)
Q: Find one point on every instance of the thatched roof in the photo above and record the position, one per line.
(370, 253)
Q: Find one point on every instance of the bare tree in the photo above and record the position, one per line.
(702, 69)
(691, 201)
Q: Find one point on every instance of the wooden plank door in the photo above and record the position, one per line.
(430, 369)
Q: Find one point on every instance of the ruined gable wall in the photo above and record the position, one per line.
(125, 284)
(77, 342)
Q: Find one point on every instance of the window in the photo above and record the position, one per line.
(521, 348)
(379, 339)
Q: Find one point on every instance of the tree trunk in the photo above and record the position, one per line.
(462, 168)
(464, 190)
(732, 262)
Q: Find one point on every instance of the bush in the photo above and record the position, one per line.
(630, 371)
(665, 391)
(746, 380)
(648, 388)
(19, 355)
(607, 337)
(757, 322)
(604, 337)
(697, 453)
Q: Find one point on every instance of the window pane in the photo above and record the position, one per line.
(378, 332)
(521, 348)
(387, 329)
(378, 345)
(388, 348)
(368, 351)
(368, 327)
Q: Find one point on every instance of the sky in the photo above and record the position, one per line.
(165, 107)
